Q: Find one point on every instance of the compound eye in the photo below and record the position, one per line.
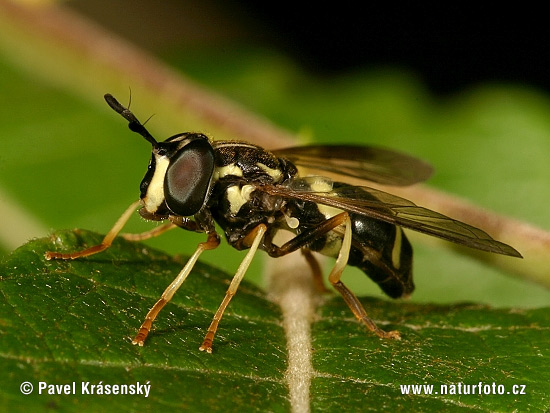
(188, 178)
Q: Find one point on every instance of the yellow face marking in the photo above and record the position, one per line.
(154, 196)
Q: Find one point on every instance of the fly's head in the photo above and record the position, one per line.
(180, 171)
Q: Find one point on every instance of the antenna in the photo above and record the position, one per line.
(133, 123)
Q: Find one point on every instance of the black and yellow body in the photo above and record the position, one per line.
(236, 201)
(193, 183)
(378, 248)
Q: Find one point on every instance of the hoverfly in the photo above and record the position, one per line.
(193, 182)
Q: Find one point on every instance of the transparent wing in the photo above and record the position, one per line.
(378, 165)
(395, 210)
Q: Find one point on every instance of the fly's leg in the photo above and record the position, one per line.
(155, 232)
(106, 243)
(252, 240)
(304, 238)
(301, 241)
(174, 221)
(349, 297)
(212, 242)
(315, 270)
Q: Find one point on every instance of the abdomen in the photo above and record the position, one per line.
(384, 253)
(381, 250)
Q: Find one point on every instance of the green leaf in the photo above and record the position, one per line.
(465, 344)
(68, 161)
(72, 321)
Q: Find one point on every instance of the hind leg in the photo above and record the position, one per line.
(349, 297)
(303, 239)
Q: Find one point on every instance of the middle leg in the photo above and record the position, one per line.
(252, 240)
(303, 239)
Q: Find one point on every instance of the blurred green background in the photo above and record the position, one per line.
(68, 161)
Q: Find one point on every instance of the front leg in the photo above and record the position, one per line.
(212, 242)
(106, 243)
(204, 224)
(252, 241)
